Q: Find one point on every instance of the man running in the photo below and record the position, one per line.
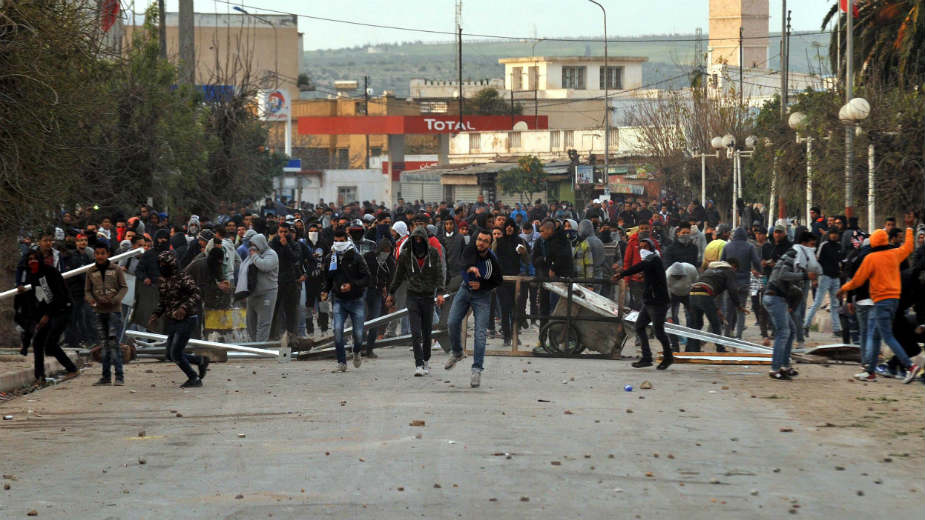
(654, 303)
(481, 273)
(347, 276)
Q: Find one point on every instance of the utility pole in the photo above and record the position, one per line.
(512, 100)
(186, 28)
(162, 28)
(366, 113)
(784, 90)
(849, 131)
(741, 70)
(606, 179)
(459, 51)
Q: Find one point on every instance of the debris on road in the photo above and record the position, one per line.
(628, 388)
(417, 422)
(645, 385)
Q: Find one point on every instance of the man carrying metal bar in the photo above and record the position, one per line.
(654, 303)
(419, 265)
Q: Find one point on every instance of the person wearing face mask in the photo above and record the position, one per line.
(748, 260)
(682, 249)
(312, 256)
(51, 303)
(346, 278)
(419, 265)
(654, 303)
(381, 274)
(179, 305)
(261, 301)
(632, 257)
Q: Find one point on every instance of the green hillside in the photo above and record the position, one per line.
(392, 66)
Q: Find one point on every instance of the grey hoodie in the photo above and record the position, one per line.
(267, 265)
(586, 232)
(745, 253)
(680, 276)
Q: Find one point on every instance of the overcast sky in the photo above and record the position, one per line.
(522, 18)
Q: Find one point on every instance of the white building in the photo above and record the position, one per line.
(573, 77)
(761, 85)
(547, 145)
(340, 186)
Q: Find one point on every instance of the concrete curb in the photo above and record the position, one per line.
(14, 380)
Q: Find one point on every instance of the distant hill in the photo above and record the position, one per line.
(392, 66)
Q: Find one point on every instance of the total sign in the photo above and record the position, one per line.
(452, 124)
(275, 105)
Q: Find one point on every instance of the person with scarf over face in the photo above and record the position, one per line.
(52, 307)
(881, 268)
(381, 275)
(180, 303)
(400, 235)
(261, 300)
(654, 303)
(419, 265)
(346, 279)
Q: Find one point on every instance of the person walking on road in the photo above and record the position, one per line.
(481, 273)
(654, 303)
(180, 302)
(346, 278)
(419, 265)
(881, 267)
(104, 289)
(52, 306)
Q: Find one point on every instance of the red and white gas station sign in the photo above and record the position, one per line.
(396, 125)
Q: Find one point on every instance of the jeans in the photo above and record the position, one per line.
(46, 342)
(421, 316)
(656, 315)
(761, 313)
(356, 309)
(827, 285)
(881, 324)
(178, 335)
(703, 305)
(862, 314)
(480, 302)
(784, 330)
(303, 315)
(733, 316)
(676, 302)
(286, 315)
(506, 306)
(109, 328)
(260, 315)
(374, 305)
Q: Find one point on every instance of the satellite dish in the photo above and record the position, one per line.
(520, 126)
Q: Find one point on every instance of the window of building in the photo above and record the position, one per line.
(346, 195)
(613, 138)
(375, 151)
(514, 139)
(475, 143)
(533, 76)
(569, 138)
(343, 159)
(573, 78)
(614, 78)
(555, 139)
(517, 81)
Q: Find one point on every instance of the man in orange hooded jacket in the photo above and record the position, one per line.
(881, 268)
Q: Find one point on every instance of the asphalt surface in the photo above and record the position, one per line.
(542, 438)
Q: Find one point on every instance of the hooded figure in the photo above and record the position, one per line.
(267, 263)
(52, 307)
(453, 245)
(180, 303)
(420, 266)
(598, 258)
(193, 227)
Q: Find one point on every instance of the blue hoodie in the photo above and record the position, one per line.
(745, 253)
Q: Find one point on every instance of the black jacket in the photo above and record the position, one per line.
(51, 294)
(678, 252)
(721, 279)
(655, 284)
(290, 260)
(352, 269)
(553, 255)
(829, 257)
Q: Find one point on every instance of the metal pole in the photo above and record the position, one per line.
(75, 272)
(459, 57)
(773, 194)
(703, 180)
(606, 179)
(162, 28)
(741, 71)
(871, 198)
(783, 61)
(734, 201)
(849, 131)
(366, 113)
(809, 178)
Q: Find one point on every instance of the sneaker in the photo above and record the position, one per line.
(883, 370)
(806, 332)
(454, 358)
(866, 376)
(120, 382)
(357, 360)
(792, 372)
(507, 343)
(427, 368)
(476, 379)
(203, 367)
(779, 375)
(341, 367)
(419, 371)
(192, 383)
(102, 382)
(911, 373)
(642, 363)
(666, 362)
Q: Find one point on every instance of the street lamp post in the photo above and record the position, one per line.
(851, 114)
(275, 39)
(536, 81)
(606, 109)
(798, 122)
(728, 143)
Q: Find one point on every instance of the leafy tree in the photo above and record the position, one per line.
(526, 179)
(889, 41)
(487, 102)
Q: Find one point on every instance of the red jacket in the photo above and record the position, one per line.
(632, 257)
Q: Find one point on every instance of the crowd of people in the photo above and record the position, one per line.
(304, 270)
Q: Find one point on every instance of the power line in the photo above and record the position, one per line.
(504, 37)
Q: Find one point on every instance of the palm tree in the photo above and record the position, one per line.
(889, 41)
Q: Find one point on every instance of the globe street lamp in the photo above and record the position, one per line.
(798, 122)
(851, 114)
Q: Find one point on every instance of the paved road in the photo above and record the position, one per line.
(323, 445)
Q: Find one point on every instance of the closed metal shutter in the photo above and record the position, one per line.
(432, 191)
(411, 191)
(466, 193)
